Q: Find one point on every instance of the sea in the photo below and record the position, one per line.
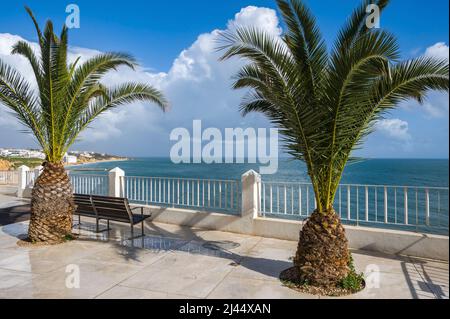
(401, 172)
(415, 174)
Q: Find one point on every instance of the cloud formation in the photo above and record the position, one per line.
(438, 50)
(197, 85)
(394, 128)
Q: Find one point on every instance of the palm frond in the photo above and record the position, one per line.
(68, 95)
(112, 98)
(17, 95)
(325, 104)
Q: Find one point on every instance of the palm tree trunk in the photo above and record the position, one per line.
(322, 255)
(52, 205)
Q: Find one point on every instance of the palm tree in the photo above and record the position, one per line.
(68, 98)
(325, 104)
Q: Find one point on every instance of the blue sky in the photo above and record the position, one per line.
(166, 37)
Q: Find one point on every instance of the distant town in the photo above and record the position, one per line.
(19, 157)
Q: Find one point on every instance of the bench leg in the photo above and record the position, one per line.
(97, 226)
(132, 231)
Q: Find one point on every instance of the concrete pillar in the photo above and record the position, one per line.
(251, 197)
(22, 170)
(37, 171)
(116, 182)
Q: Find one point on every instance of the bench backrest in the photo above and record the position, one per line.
(114, 208)
(84, 204)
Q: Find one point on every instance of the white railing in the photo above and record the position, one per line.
(9, 177)
(423, 209)
(30, 178)
(409, 207)
(211, 194)
(90, 184)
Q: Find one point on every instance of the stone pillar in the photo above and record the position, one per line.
(251, 194)
(22, 185)
(116, 182)
(37, 171)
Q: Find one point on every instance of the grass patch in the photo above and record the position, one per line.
(354, 281)
(70, 237)
(351, 284)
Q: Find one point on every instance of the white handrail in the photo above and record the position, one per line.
(382, 205)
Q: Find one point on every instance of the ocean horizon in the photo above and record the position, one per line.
(396, 172)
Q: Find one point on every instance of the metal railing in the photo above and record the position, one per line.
(421, 209)
(200, 194)
(30, 177)
(398, 207)
(9, 177)
(90, 184)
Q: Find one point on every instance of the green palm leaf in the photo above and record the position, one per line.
(326, 103)
(69, 96)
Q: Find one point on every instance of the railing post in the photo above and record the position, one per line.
(405, 194)
(37, 171)
(348, 203)
(251, 201)
(366, 203)
(385, 205)
(427, 206)
(116, 187)
(22, 170)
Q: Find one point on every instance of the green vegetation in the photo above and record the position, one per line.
(325, 102)
(69, 96)
(354, 281)
(19, 161)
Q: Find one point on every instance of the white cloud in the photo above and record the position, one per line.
(251, 16)
(196, 82)
(436, 104)
(439, 50)
(394, 128)
(198, 87)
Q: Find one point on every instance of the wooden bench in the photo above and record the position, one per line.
(109, 208)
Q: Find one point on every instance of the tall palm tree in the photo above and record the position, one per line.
(68, 98)
(325, 103)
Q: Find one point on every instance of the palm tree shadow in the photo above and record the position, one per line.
(14, 214)
(186, 239)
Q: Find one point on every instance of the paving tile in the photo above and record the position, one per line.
(246, 288)
(266, 260)
(154, 243)
(11, 278)
(368, 261)
(125, 255)
(236, 243)
(435, 275)
(177, 262)
(123, 292)
(14, 259)
(182, 273)
(95, 278)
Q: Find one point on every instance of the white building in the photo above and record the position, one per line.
(69, 159)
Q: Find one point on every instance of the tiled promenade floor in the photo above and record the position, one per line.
(181, 262)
